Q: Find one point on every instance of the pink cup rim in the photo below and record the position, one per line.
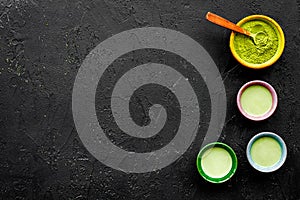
(274, 100)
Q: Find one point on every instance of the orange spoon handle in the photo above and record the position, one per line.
(216, 19)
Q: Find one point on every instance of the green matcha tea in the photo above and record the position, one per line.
(266, 44)
(256, 100)
(266, 151)
(216, 162)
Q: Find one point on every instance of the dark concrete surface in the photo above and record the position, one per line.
(42, 45)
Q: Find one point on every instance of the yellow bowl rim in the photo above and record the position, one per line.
(279, 50)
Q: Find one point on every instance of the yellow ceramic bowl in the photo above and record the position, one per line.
(279, 33)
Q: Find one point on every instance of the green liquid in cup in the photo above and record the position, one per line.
(266, 151)
(256, 100)
(216, 162)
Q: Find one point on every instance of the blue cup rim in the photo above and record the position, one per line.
(276, 165)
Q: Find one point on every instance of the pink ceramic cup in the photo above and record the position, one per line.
(274, 100)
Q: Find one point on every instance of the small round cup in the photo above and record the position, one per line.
(233, 167)
(279, 51)
(283, 152)
(274, 100)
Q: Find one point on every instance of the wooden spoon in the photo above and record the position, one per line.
(216, 19)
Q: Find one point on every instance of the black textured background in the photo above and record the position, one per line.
(42, 45)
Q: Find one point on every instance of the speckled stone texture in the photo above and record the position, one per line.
(42, 45)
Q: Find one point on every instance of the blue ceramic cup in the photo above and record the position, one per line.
(262, 148)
